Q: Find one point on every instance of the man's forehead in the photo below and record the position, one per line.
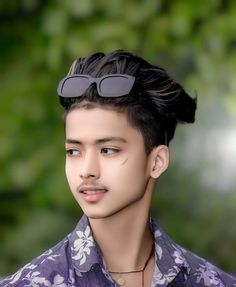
(97, 115)
(100, 125)
(89, 105)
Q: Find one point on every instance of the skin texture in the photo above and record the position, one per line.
(106, 156)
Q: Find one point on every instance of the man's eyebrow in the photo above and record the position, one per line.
(98, 141)
(72, 141)
(111, 139)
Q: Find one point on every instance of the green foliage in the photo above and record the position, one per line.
(193, 40)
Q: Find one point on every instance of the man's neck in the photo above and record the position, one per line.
(125, 238)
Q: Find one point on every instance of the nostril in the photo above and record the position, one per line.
(88, 175)
(91, 175)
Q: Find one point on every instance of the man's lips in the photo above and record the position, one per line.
(92, 193)
(92, 189)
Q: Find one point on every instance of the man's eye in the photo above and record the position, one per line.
(109, 150)
(72, 152)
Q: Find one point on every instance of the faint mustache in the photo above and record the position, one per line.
(94, 184)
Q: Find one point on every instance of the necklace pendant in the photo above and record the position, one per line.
(121, 281)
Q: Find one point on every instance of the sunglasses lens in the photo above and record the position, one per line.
(109, 86)
(115, 86)
(74, 86)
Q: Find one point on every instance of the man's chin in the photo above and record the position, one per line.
(103, 215)
(97, 216)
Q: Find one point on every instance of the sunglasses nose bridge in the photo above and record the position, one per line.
(92, 81)
(96, 81)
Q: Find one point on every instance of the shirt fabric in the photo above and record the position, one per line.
(77, 262)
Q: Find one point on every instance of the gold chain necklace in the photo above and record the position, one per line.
(121, 280)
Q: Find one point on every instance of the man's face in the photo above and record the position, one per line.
(106, 164)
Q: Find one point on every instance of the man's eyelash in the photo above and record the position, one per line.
(71, 150)
(111, 149)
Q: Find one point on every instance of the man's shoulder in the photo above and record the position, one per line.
(46, 269)
(61, 265)
(181, 267)
(203, 273)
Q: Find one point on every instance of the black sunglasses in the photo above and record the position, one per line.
(111, 85)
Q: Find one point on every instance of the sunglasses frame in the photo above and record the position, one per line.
(98, 82)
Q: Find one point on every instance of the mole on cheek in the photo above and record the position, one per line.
(124, 161)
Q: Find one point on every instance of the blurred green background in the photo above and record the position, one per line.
(195, 41)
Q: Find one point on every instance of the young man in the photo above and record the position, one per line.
(120, 115)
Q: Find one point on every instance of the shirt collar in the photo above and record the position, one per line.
(170, 258)
(85, 252)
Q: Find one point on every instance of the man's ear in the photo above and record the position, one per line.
(159, 160)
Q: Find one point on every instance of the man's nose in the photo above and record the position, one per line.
(90, 166)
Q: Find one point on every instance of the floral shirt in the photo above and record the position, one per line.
(77, 262)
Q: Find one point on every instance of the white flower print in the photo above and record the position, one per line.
(52, 257)
(158, 278)
(178, 257)
(163, 279)
(158, 251)
(58, 281)
(46, 253)
(157, 246)
(82, 245)
(208, 275)
(157, 233)
(34, 280)
(16, 276)
(71, 279)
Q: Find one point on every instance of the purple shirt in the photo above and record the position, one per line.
(77, 262)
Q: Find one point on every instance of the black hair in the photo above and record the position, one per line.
(155, 105)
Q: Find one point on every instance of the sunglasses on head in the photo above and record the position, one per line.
(109, 86)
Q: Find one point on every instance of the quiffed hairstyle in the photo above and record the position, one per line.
(155, 105)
